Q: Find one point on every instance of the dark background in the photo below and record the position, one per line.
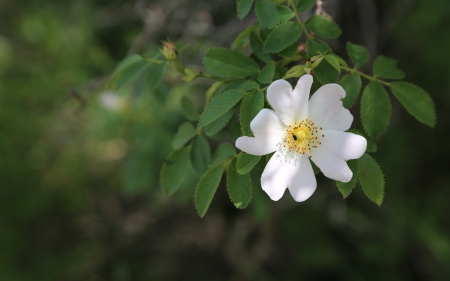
(79, 195)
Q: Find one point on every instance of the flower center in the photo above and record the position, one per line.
(303, 137)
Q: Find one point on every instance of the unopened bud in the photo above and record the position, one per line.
(169, 51)
(295, 71)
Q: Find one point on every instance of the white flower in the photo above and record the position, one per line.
(299, 129)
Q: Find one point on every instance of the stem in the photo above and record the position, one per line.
(210, 76)
(298, 19)
(353, 70)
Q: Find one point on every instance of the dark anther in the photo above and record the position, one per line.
(294, 136)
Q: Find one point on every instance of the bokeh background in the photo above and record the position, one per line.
(79, 168)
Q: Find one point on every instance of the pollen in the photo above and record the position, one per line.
(303, 137)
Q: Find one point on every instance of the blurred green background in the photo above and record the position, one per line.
(79, 168)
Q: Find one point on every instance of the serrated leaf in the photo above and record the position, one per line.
(243, 8)
(282, 36)
(352, 86)
(371, 178)
(280, 71)
(285, 13)
(323, 27)
(267, 73)
(243, 39)
(257, 46)
(346, 187)
(188, 109)
(174, 170)
(267, 13)
(246, 162)
(418, 103)
(154, 75)
(387, 68)
(289, 51)
(219, 105)
(333, 61)
(213, 128)
(127, 71)
(224, 152)
(239, 187)
(206, 188)
(358, 54)
(326, 73)
(250, 106)
(185, 132)
(375, 109)
(305, 5)
(316, 46)
(247, 86)
(200, 154)
(228, 63)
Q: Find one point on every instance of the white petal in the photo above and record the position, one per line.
(326, 110)
(278, 175)
(290, 105)
(268, 131)
(337, 147)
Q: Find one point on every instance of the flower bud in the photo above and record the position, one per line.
(295, 71)
(169, 51)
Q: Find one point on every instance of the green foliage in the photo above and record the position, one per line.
(185, 132)
(323, 26)
(174, 170)
(188, 109)
(257, 47)
(224, 152)
(200, 154)
(229, 63)
(371, 178)
(127, 71)
(250, 106)
(267, 73)
(219, 106)
(239, 187)
(418, 103)
(347, 187)
(267, 13)
(285, 13)
(206, 188)
(155, 74)
(333, 61)
(326, 73)
(243, 8)
(305, 5)
(214, 127)
(282, 36)
(246, 162)
(387, 68)
(316, 46)
(352, 86)
(375, 109)
(358, 54)
(243, 38)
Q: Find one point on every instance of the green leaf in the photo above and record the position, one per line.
(246, 162)
(358, 54)
(228, 63)
(289, 51)
(239, 187)
(224, 152)
(418, 103)
(200, 154)
(257, 46)
(206, 188)
(326, 73)
(250, 106)
(316, 46)
(267, 13)
(323, 27)
(127, 71)
(285, 13)
(282, 36)
(346, 187)
(188, 109)
(280, 71)
(375, 109)
(352, 86)
(266, 75)
(371, 178)
(219, 105)
(243, 8)
(387, 68)
(213, 128)
(154, 75)
(185, 132)
(305, 5)
(242, 39)
(247, 86)
(333, 61)
(174, 170)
